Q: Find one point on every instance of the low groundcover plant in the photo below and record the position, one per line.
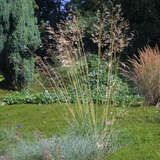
(68, 147)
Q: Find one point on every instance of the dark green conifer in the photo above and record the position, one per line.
(18, 31)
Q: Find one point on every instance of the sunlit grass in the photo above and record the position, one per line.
(141, 124)
(48, 119)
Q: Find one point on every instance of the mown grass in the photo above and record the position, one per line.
(140, 123)
(48, 119)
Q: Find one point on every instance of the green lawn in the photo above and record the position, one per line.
(48, 119)
(141, 123)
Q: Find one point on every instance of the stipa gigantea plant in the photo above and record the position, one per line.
(146, 73)
(71, 40)
(110, 34)
(111, 37)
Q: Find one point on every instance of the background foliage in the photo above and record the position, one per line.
(141, 14)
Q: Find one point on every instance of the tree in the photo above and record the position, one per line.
(49, 11)
(19, 35)
(143, 17)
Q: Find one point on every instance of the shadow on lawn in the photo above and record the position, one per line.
(136, 105)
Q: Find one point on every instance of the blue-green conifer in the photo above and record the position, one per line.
(19, 38)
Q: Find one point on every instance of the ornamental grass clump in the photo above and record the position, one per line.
(146, 73)
(110, 36)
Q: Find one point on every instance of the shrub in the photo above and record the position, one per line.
(27, 97)
(123, 94)
(146, 73)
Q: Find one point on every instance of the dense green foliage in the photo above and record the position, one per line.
(143, 18)
(48, 11)
(123, 94)
(141, 14)
(18, 33)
